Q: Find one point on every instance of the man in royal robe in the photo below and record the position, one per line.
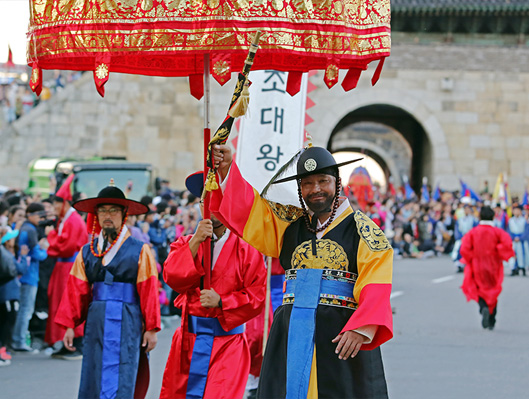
(483, 250)
(324, 340)
(209, 355)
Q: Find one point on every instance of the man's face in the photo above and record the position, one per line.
(318, 191)
(18, 215)
(517, 212)
(35, 217)
(216, 222)
(110, 217)
(57, 206)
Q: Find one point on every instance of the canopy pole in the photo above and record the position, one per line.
(207, 138)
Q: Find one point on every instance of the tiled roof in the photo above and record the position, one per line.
(402, 6)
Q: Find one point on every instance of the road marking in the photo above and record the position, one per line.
(443, 279)
(396, 294)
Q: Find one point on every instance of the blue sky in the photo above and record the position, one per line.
(14, 19)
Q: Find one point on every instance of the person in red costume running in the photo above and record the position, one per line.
(483, 249)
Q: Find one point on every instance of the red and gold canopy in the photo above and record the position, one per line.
(170, 37)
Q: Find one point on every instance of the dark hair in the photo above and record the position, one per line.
(486, 213)
(161, 206)
(34, 207)
(14, 209)
(146, 200)
(4, 206)
(191, 198)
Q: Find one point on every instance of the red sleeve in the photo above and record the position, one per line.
(504, 246)
(181, 271)
(238, 307)
(373, 309)
(147, 286)
(76, 298)
(467, 248)
(72, 238)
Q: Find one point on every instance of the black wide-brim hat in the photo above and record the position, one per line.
(111, 195)
(195, 183)
(313, 161)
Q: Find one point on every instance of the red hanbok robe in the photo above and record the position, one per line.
(239, 277)
(64, 247)
(483, 249)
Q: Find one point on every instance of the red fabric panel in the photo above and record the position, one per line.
(56, 289)
(294, 82)
(351, 79)
(373, 308)
(196, 85)
(235, 192)
(228, 367)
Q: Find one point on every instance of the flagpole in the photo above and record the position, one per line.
(267, 301)
(207, 138)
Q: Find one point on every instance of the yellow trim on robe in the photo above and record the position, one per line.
(313, 380)
(78, 268)
(261, 215)
(146, 265)
(338, 220)
(374, 267)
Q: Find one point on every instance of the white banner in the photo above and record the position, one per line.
(272, 132)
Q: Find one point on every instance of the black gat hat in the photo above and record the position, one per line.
(110, 195)
(313, 161)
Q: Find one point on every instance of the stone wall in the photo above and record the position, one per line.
(474, 109)
(145, 119)
(472, 102)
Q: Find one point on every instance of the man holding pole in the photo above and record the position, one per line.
(325, 338)
(209, 355)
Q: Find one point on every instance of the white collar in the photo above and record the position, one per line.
(487, 222)
(68, 214)
(341, 209)
(110, 255)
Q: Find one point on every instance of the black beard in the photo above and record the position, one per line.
(320, 207)
(110, 233)
(216, 223)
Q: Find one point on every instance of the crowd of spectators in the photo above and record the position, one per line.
(17, 99)
(416, 229)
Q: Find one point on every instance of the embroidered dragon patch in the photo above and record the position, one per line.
(371, 233)
(287, 213)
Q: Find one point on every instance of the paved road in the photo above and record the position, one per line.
(439, 351)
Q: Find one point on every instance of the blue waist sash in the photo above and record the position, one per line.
(308, 288)
(206, 329)
(115, 295)
(120, 292)
(67, 260)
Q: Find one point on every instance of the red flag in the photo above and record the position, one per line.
(9, 62)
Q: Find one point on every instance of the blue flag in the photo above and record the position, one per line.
(408, 191)
(425, 195)
(466, 191)
(437, 193)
